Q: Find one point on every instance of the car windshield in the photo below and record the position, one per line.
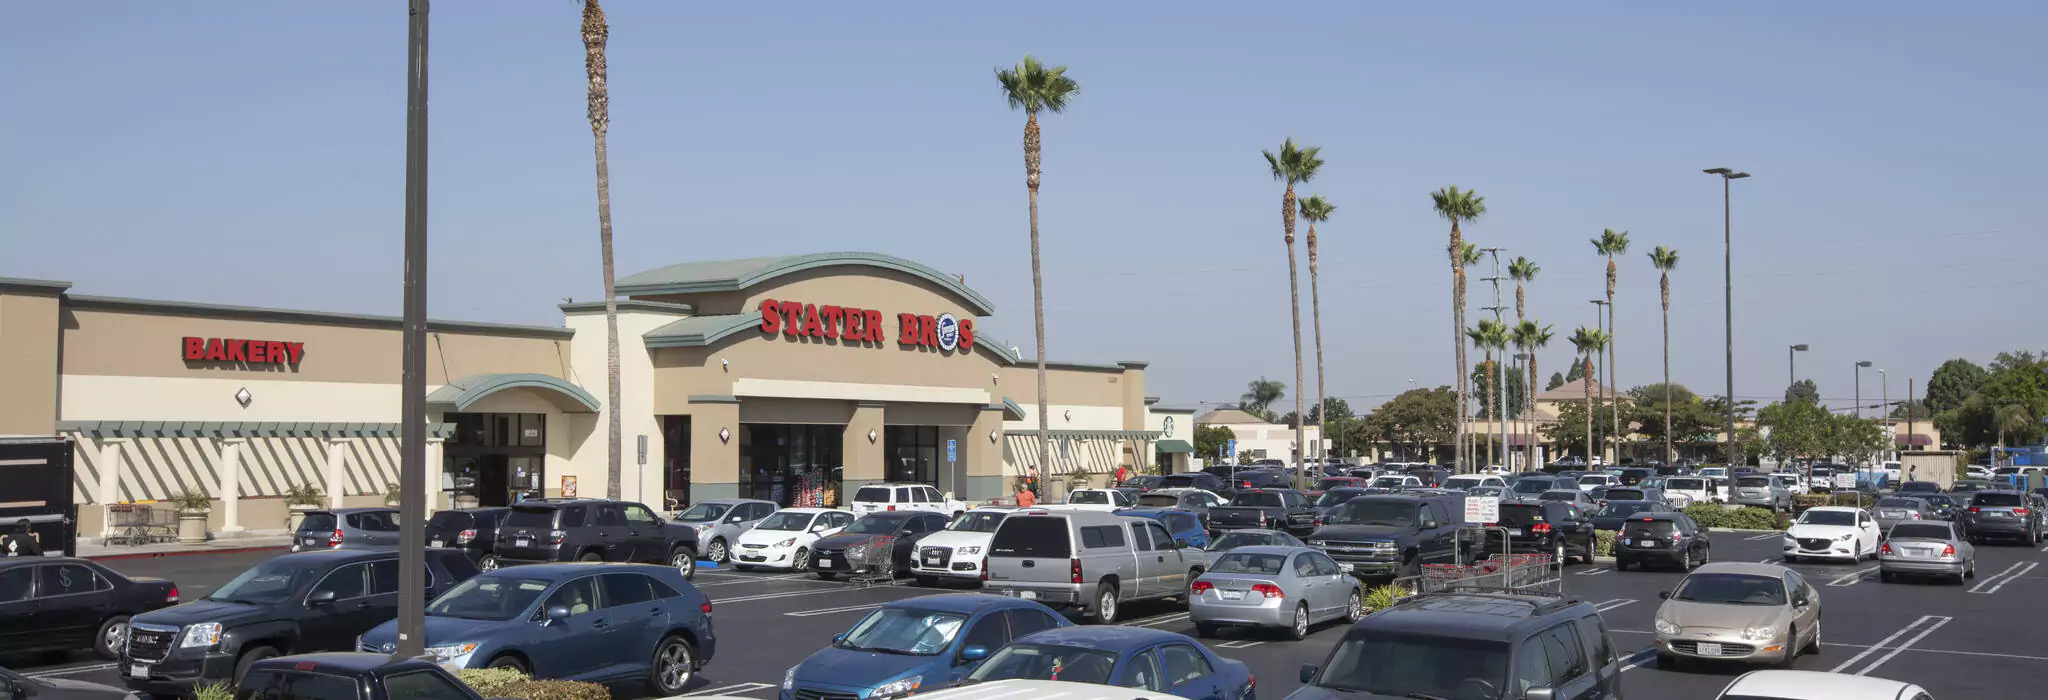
(1256, 499)
(1622, 510)
(1380, 513)
(1046, 662)
(704, 512)
(787, 521)
(489, 598)
(1327, 484)
(1827, 517)
(1417, 666)
(1233, 540)
(1686, 484)
(1247, 563)
(978, 521)
(1753, 481)
(1462, 482)
(270, 582)
(1731, 589)
(1969, 486)
(1532, 486)
(1093, 498)
(873, 526)
(907, 631)
(1337, 497)
(1158, 500)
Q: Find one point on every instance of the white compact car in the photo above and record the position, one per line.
(1832, 532)
(1588, 482)
(783, 540)
(957, 552)
(884, 497)
(1817, 685)
(1104, 500)
(1466, 481)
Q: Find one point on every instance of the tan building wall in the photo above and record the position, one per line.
(29, 340)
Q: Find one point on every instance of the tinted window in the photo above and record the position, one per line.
(625, 589)
(1142, 671)
(638, 515)
(609, 516)
(572, 516)
(384, 577)
(871, 494)
(579, 596)
(375, 521)
(1158, 500)
(661, 590)
(1532, 668)
(1100, 536)
(296, 686)
(489, 598)
(68, 579)
(451, 520)
(1180, 523)
(14, 583)
(1160, 538)
(905, 495)
(1023, 621)
(1139, 541)
(317, 521)
(1685, 484)
(1089, 497)
(1514, 514)
(1566, 655)
(987, 632)
(1932, 531)
(1626, 495)
(978, 521)
(1182, 663)
(1908, 503)
(529, 518)
(1384, 513)
(1031, 537)
(424, 685)
(346, 581)
(1996, 500)
(1256, 499)
(877, 525)
(1397, 665)
(1753, 481)
(1593, 635)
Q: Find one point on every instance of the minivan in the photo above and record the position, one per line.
(1090, 561)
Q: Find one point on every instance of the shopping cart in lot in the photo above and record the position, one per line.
(872, 564)
(1505, 571)
(135, 524)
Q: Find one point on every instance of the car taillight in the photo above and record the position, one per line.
(172, 597)
(1946, 551)
(1074, 570)
(556, 536)
(892, 507)
(984, 568)
(1540, 528)
(2019, 511)
(1914, 515)
(1886, 549)
(334, 540)
(1268, 590)
(465, 536)
(1201, 587)
(1973, 509)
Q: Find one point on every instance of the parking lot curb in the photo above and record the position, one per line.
(185, 552)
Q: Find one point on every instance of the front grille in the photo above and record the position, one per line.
(809, 694)
(150, 644)
(936, 557)
(1727, 649)
(1814, 543)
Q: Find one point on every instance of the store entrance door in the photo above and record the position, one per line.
(494, 459)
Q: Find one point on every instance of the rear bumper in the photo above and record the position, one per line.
(1892, 565)
(1052, 594)
(1208, 608)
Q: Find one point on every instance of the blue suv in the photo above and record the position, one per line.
(581, 622)
(920, 643)
(1185, 526)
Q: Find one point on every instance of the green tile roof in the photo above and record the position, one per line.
(731, 275)
(698, 331)
(460, 394)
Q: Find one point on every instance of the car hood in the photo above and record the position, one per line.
(203, 610)
(1799, 530)
(68, 689)
(1727, 617)
(440, 630)
(1360, 532)
(950, 538)
(863, 669)
(843, 540)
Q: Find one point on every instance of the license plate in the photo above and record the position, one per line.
(522, 543)
(1710, 649)
(138, 670)
(1028, 595)
(825, 563)
(436, 543)
(1997, 514)
(1232, 595)
(314, 542)
(1515, 532)
(932, 560)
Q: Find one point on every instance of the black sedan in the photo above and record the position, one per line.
(852, 550)
(62, 604)
(15, 685)
(1610, 516)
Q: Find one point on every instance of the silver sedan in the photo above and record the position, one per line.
(1289, 588)
(1928, 548)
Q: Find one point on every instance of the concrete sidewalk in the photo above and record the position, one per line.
(256, 540)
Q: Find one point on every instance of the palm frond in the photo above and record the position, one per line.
(1470, 256)
(1315, 209)
(1033, 86)
(1523, 269)
(1294, 164)
(1458, 205)
(1663, 258)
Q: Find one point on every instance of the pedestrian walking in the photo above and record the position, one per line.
(22, 542)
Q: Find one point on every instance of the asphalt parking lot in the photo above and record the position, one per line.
(1983, 639)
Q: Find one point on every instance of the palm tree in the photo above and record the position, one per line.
(1259, 396)
(1295, 166)
(1521, 270)
(1665, 260)
(599, 111)
(1458, 206)
(1589, 342)
(1315, 210)
(1611, 244)
(1528, 336)
(1467, 259)
(1034, 87)
(1490, 335)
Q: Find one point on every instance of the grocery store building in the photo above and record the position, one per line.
(788, 378)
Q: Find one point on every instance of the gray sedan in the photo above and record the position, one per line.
(1896, 510)
(1926, 548)
(720, 522)
(1289, 588)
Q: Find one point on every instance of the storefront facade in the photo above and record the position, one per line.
(790, 378)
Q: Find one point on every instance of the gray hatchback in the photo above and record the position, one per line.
(720, 522)
(347, 528)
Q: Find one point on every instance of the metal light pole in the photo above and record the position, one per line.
(412, 471)
(1860, 364)
(1884, 405)
(1500, 374)
(1728, 294)
(1600, 323)
(1792, 364)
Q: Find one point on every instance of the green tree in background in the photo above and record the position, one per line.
(1482, 385)
(1803, 390)
(1558, 380)
(1572, 426)
(1416, 421)
(1577, 372)
(1798, 430)
(1211, 439)
(1911, 410)
(1952, 383)
(1259, 395)
(1690, 420)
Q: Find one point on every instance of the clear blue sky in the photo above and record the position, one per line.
(253, 153)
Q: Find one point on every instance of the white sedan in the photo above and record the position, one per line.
(1832, 532)
(1817, 685)
(783, 540)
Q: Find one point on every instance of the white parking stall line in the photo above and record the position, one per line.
(1612, 604)
(1887, 640)
(1156, 620)
(1772, 560)
(1241, 644)
(1908, 644)
(1916, 650)
(2044, 548)
(806, 578)
(829, 611)
(1642, 657)
(1998, 580)
(793, 594)
(52, 673)
(1594, 572)
(1851, 578)
(734, 689)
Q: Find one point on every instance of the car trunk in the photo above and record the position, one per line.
(1999, 506)
(446, 529)
(1032, 549)
(1642, 534)
(527, 533)
(1248, 510)
(1528, 528)
(1752, 487)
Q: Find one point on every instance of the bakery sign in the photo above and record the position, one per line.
(800, 320)
(243, 351)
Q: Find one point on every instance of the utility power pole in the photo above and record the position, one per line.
(412, 470)
(1500, 375)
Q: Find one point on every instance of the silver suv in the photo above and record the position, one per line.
(1090, 561)
(1761, 490)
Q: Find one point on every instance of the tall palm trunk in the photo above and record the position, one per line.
(1031, 172)
(1457, 250)
(599, 112)
(1610, 390)
(1488, 403)
(1528, 448)
(1287, 204)
(1315, 301)
(1589, 406)
(1529, 402)
(1664, 288)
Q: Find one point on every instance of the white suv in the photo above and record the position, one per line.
(884, 497)
(958, 551)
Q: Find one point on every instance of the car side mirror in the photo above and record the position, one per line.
(558, 613)
(1663, 595)
(1538, 693)
(320, 597)
(974, 653)
(837, 638)
(1308, 673)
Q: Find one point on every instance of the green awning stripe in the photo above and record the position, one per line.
(250, 429)
(1175, 446)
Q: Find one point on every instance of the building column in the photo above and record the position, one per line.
(983, 450)
(337, 456)
(714, 460)
(865, 463)
(230, 487)
(110, 481)
(435, 469)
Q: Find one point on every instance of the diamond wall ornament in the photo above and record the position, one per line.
(243, 397)
(991, 436)
(724, 435)
(871, 436)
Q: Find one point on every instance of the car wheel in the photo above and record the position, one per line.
(685, 560)
(1886, 577)
(489, 562)
(112, 638)
(511, 662)
(1105, 604)
(1791, 654)
(801, 561)
(1706, 555)
(1620, 565)
(1354, 608)
(716, 551)
(927, 581)
(1813, 647)
(675, 663)
(590, 556)
(1299, 630)
(1971, 572)
(249, 658)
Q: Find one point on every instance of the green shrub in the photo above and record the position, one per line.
(1383, 597)
(192, 500)
(1717, 516)
(305, 495)
(553, 690)
(1603, 543)
(214, 691)
(488, 681)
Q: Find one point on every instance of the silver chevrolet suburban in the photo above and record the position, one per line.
(1091, 561)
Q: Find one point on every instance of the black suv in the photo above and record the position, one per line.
(2002, 514)
(1265, 508)
(593, 530)
(1661, 538)
(1471, 645)
(351, 676)
(472, 530)
(295, 603)
(1392, 534)
(1556, 528)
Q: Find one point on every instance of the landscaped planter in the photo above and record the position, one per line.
(191, 527)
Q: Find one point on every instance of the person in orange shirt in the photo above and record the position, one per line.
(1025, 498)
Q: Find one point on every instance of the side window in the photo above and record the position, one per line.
(14, 583)
(1304, 565)
(639, 516)
(1566, 655)
(579, 596)
(662, 590)
(912, 526)
(624, 589)
(1791, 586)
(1139, 541)
(1532, 667)
(1593, 635)
(1183, 663)
(1425, 516)
(1180, 523)
(1325, 565)
(346, 581)
(424, 685)
(1102, 536)
(384, 577)
(987, 633)
(1160, 538)
(933, 495)
(842, 519)
(609, 516)
(67, 579)
(1025, 621)
(1141, 672)
(572, 516)
(903, 495)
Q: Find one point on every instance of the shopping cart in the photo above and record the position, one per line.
(874, 563)
(135, 524)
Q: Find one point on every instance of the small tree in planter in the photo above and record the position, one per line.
(300, 499)
(391, 493)
(193, 505)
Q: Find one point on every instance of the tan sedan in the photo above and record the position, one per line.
(1758, 613)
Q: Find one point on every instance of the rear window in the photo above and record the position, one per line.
(1089, 497)
(452, 519)
(1178, 481)
(1532, 486)
(1931, 531)
(1246, 563)
(1996, 500)
(1754, 481)
(1685, 484)
(872, 494)
(1625, 495)
(1654, 528)
(1032, 536)
(1522, 515)
(1158, 500)
(1899, 503)
(530, 517)
(1256, 500)
(317, 521)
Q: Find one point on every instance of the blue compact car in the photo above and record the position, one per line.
(1128, 657)
(581, 622)
(917, 644)
(1185, 526)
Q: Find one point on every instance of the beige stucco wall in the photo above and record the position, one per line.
(29, 334)
(588, 439)
(1103, 387)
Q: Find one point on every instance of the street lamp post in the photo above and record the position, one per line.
(1860, 364)
(412, 469)
(1884, 406)
(1792, 364)
(1728, 294)
(1600, 323)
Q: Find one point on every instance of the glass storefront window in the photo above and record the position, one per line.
(912, 452)
(494, 459)
(790, 464)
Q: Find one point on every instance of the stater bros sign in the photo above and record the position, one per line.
(845, 323)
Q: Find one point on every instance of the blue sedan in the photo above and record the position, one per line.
(583, 622)
(1129, 657)
(919, 643)
(1185, 525)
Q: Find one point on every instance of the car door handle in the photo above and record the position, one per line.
(363, 606)
(599, 624)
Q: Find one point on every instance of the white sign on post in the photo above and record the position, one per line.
(1845, 480)
(1482, 509)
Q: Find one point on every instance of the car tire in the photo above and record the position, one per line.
(673, 666)
(1299, 629)
(511, 662)
(1104, 608)
(685, 560)
(249, 658)
(488, 562)
(1813, 647)
(1972, 571)
(927, 581)
(1886, 577)
(112, 637)
(590, 556)
(1354, 607)
(717, 552)
(1791, 655)
(1620, 565)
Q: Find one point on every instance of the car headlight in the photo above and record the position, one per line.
(1664, 627)
(898, 687)
(786, 543)
(1758, 634)
(204, 634)
(1316, 543)
(450, 652)
(968, 550)
(1845, 538)
(789, 679)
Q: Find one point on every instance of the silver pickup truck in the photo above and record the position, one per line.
(1090, 561)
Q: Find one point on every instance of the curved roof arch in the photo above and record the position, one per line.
(733, 275)
(462, 393)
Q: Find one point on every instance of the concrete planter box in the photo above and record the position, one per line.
(191, 527)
